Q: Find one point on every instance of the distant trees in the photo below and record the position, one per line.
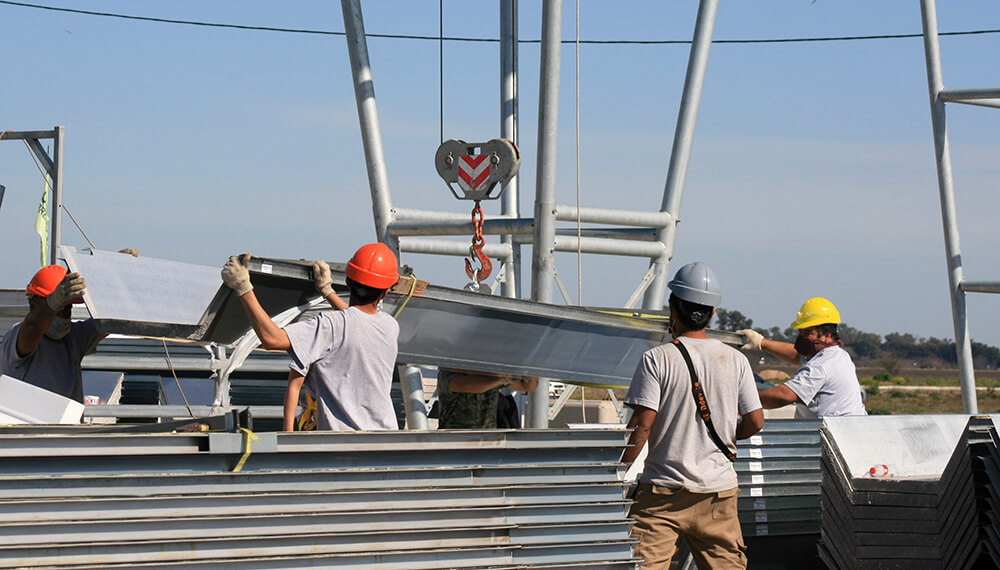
(894, 351)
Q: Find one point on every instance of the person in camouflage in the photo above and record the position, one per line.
(469, 400)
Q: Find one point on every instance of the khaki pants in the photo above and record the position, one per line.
(709, 522)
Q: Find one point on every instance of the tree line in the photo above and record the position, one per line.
(892, 352)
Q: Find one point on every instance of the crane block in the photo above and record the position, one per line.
(477, 168)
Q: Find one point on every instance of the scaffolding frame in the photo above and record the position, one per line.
(53, 166)
(646, 234)
(957, 284)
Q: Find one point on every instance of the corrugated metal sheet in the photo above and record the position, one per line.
(445, 499)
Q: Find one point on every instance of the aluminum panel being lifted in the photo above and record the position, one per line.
(441, 327)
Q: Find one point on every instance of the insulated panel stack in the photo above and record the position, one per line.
(779, 474)
(985, 462)
(394, 499)
(897, 491)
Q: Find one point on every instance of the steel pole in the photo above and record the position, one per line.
(371, 134)
(543, 249)
(509, 203)
(953, 252)
(680, 155)
(55, 236)
(411, 382)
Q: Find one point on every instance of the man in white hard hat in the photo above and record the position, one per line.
(827, 382)
(687, 397)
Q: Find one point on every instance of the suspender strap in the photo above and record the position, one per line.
(702, 403)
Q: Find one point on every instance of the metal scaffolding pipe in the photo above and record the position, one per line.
(681, 153)
(490, 227)
(609, 246)
(953, 252)
(963, 95)
(510, 200)
(55, 235)
(411, 382)
(612, 216)
(371, 134)
(451, 247)
(980, 286)
(543, 252)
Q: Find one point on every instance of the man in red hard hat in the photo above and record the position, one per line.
(46, 348)
(344, 358)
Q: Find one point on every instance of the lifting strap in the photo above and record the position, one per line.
(702, 403)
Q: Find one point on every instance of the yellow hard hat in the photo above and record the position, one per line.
(814, 312)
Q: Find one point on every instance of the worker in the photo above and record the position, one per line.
(46, 348)
(345, 358)
(827, 382)
(473, 400)
(688, 485)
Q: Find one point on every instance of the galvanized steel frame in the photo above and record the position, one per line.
(54, 168)
(957, 284)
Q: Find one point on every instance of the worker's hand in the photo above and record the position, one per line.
(130, 251)
(754, 339)
(525, 383)
(235, 274)
(71, 287)
(322, 278)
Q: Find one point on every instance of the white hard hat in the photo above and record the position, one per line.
(696, 283)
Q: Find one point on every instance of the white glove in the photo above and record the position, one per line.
(235, 274)
(71, 287)
(322, 278)
(754, 339)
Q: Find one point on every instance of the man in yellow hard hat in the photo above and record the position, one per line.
(46, 348)
(343, 358)
(827, 382)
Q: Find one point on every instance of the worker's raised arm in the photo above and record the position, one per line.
(785, 351)
(323, 281)
(44, 311)
(236, 276)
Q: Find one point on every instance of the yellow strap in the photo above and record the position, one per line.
(247, 437)
(307, 421)
(413, 287)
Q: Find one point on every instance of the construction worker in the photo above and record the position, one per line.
(827, 382)
(472, 400)
(345, 358)
(47, 347)
(688, 485)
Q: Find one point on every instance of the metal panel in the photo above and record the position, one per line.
(440, 499)
(443, 326)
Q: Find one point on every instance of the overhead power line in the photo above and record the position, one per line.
(487, 40)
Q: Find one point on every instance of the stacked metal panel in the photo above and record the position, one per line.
(779, 473)
(406, 499)
(897, 491)
(985, 463)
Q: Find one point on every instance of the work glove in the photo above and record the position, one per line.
(130, 251)
(322, 278)
(236, 276)
(71, 287)
(754, 339)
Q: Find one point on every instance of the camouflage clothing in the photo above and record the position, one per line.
(465, 411)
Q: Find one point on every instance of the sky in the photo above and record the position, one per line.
(812, 171)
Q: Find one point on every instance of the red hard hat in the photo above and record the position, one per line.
(46, 280)
(374, 265)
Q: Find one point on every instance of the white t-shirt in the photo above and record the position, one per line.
(55, 364)
(681, 453)
(347, 358)
(828, 384)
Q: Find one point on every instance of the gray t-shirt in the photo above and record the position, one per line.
(347, 358)
(55, 364)
(828, 384)
(681, 453)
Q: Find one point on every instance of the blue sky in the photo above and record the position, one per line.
(812, 172)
